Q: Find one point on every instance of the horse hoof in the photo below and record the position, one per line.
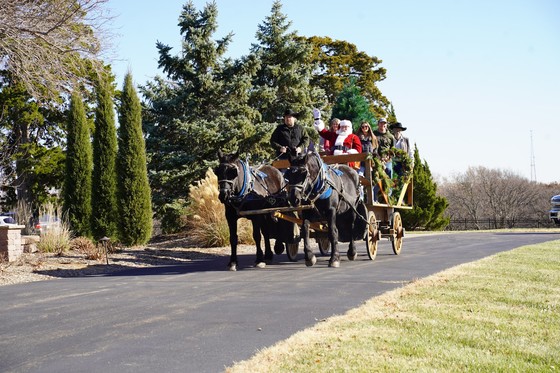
(311, 262)
(260, 265)
(334, 264)
(352, 256)
(233, 267)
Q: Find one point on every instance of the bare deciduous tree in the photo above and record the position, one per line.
(496, 197)
(47, 44)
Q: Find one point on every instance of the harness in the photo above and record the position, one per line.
(247, 191)
(322, 185)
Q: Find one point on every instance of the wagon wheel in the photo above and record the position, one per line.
(324, 245)
(372, 236)
(397, 240)
(292, 251)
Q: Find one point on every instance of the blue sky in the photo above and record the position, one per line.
(476, 82)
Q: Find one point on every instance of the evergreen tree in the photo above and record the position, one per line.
(429, 208)
(135, 210)
(104, 182)
(285, 72)
(339, 61)
(31, 140)
(202, 107)
(77, 184)
(351, 105)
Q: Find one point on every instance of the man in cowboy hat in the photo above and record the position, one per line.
(289, 135)
(402, 142)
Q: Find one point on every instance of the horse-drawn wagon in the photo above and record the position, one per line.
(364, 218)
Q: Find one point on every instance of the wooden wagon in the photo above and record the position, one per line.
(383, 219)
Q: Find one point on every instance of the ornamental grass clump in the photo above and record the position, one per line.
(207, 224)
(56, 236)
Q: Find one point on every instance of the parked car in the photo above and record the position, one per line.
(7, 220)
(554, 213)
(46, 223)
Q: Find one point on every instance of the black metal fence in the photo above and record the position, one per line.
(480, 224)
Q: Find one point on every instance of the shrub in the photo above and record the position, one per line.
(173, 218)
(85, 246)
(207, 224)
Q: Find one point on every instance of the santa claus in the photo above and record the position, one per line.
(345, 142)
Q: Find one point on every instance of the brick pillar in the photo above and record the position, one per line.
(10, 242)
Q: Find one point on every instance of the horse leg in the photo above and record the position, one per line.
(268, 254)
(352, 254)
(310, 258)
(257, 227)
(334, 261)
(231, 217)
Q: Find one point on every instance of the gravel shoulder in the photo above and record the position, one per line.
(48, 266)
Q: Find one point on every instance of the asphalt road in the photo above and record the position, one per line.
(200, 317)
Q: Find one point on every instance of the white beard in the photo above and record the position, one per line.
(342, 135)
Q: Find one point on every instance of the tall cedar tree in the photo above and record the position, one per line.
(351, 105)
(135, 209)
(283, 78)
(104, 182)
(338, 62)
(79, 165)
(429, 208)
(202, 107)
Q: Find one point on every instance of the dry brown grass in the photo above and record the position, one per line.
(207, 224)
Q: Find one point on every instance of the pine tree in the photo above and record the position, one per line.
(135, 210)
(31, 145)
(351, 105)
(429, 208)
(77, 185)
(200, 108)
(285, 72)
(104, 182)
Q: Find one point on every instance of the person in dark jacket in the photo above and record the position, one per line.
(289, 135)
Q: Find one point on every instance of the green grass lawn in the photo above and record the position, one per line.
(499, 314)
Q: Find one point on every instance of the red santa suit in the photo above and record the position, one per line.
(345, 142)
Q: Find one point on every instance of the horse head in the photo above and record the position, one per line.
(228, 175)
(298, 176)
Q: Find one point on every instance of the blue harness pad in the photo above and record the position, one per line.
(327, 193)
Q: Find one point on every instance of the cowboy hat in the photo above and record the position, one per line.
(398, 126)
(291, 113)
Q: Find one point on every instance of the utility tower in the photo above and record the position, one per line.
(533, 169)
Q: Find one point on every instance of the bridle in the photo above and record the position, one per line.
(246, 186)
(319, 188)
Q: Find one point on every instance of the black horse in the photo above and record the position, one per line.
(243, 188)
(334, 193)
